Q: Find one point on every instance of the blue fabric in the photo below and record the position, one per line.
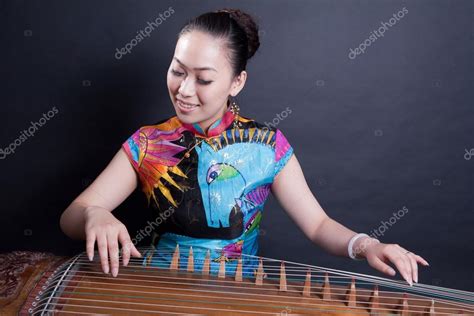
(230, 175)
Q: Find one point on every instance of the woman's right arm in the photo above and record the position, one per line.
(89, 216)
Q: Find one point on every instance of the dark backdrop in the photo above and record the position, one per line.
(375, 132)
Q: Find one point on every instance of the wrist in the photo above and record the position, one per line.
(359, 244)
(362, 245)
(92, 209)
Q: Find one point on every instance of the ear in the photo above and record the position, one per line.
(238, 83)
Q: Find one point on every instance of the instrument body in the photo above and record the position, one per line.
(44, 284)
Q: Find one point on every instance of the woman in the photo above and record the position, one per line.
(207, 171)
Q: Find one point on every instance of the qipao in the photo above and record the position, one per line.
(209, 189)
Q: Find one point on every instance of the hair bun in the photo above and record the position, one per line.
(247, 23)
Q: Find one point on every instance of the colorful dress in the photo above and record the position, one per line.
(207, 191)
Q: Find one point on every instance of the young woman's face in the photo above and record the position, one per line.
(201, 76)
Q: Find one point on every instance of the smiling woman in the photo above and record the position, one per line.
(209, 65)
(215, 168)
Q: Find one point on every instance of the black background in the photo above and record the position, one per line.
(373, 134)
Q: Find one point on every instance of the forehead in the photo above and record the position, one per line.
(197, 49)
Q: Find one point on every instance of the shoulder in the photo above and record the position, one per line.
(137, 144)
(150, 140)
(268, 134)
(267, 131)
(166, 125)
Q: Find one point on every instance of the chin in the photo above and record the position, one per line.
(186, 118)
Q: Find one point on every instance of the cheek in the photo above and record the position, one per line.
(205, 96)
(173, 83)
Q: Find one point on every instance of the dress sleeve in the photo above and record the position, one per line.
(283, 152)
(135, 150)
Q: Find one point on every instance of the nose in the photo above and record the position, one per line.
(186, 88)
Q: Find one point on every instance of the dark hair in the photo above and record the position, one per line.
(237, 28)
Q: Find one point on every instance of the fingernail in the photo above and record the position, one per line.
(405, 276)
(90, 258)
(114, 272)
(106, 270)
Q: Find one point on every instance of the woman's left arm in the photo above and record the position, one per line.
(292, 192)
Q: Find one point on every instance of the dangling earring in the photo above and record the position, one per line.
(235, 109)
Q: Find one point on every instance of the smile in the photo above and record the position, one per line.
(187, 106)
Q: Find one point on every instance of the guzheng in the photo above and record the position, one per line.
(43, 284)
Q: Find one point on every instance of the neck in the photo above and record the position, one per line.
(207, 123)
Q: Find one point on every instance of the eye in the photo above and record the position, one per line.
(176, 73)
(179, 74)
(213, 175)
(204, 82)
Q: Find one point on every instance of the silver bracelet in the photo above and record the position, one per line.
(350, 251)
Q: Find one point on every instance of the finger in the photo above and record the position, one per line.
(90, 241)
(135, 252)
(124, 239)
(402, 264)
(421, 260)
(382, 266)
(414, 266)
(103, 252)
(113, 253)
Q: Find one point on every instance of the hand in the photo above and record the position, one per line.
(103, 227)
(379, 254)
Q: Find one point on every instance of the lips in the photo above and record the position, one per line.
(186, 107)
(186, 103)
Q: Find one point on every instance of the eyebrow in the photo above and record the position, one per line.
(196, 68)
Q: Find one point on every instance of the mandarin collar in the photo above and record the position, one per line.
(215, 128)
